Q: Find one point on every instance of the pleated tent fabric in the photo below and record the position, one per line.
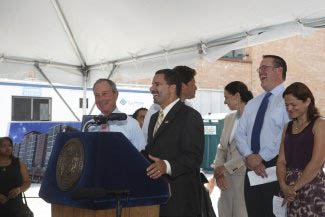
(93, 34)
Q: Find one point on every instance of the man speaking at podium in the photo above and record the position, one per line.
(175, 146)
(106, 94)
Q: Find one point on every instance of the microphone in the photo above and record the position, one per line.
(101, 119)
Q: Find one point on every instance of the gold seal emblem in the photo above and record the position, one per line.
(70, 164)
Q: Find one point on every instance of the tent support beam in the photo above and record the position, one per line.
(314, 23)
(84, 101)
(186, 49)
(69, 33)
(54, 88)
(114, 67)
(28, 61)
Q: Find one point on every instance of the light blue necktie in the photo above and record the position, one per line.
(258, 124)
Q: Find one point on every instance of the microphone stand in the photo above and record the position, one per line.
(100, 193)
(97, 121)
(89, 124)
(118, 196)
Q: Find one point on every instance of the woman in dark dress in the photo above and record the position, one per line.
(302, 155)
(14, 180)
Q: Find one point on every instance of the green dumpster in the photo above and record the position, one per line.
(212, 134)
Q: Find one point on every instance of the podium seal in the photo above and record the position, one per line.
(70, 164)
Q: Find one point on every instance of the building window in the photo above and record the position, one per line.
(31, 108)
(235, 54)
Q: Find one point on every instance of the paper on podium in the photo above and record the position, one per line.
(278, 209)
(258, 180)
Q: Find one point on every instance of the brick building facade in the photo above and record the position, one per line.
(305, 57)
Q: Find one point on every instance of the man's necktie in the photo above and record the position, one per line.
(159, 121)
(256, 133)
(104, 128)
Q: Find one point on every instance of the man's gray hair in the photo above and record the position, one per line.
(110, 82)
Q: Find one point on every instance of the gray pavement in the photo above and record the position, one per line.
(43, 209)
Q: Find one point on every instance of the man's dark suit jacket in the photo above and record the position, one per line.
(180, 141)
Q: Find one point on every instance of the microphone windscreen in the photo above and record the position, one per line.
(117, 116)
(100, 119)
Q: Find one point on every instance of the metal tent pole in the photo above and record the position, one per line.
(84, 98)
(69, 33)
(314, 23)
(54, 88)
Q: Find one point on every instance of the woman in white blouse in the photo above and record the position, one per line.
(229, 167)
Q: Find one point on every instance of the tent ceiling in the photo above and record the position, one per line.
(107, 30)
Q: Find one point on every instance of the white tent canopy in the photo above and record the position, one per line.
(75, 42)
(91, 33)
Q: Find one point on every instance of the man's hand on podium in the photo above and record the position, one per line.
(156, 169)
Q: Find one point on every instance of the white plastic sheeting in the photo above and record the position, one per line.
(272, 33)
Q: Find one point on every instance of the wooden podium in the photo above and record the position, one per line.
(112, 173)
(66, 211)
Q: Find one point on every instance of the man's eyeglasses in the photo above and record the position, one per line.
(263, 68)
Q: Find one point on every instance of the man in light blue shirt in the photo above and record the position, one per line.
(272, 73)
(106, 94)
